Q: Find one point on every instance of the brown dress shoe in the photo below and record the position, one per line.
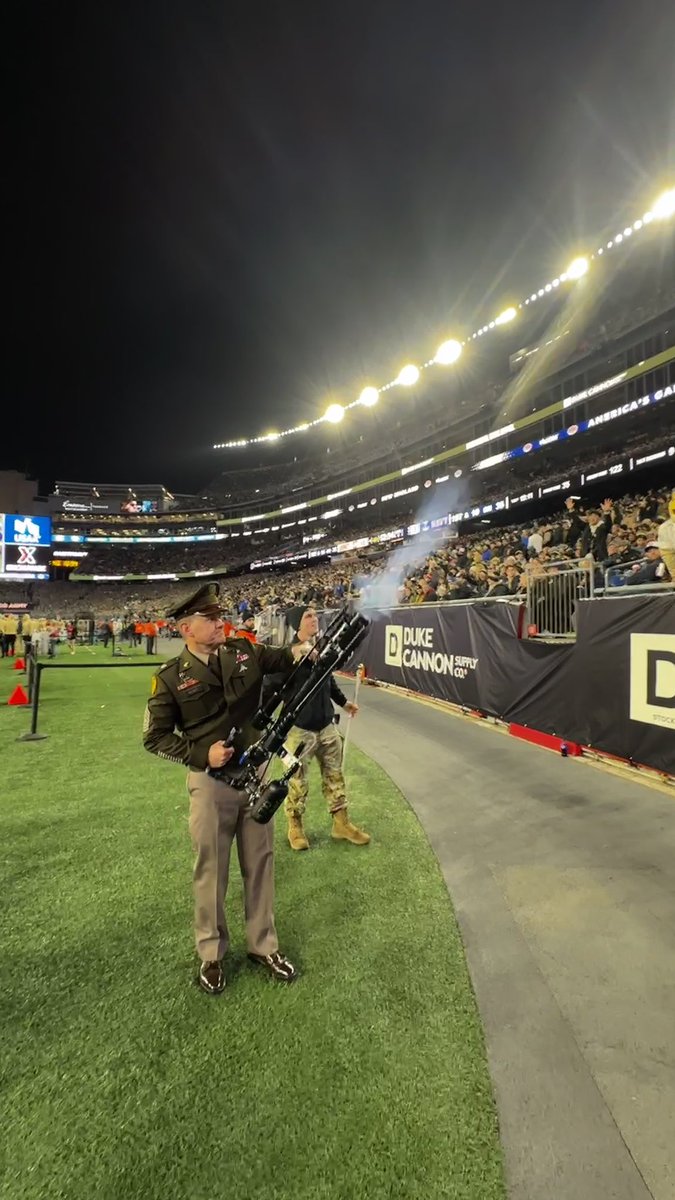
(277, 965)
(211, 978)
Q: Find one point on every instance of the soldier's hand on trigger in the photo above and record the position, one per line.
(219, 754)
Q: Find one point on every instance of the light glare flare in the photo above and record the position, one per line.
(577, 268)
(448, 352)
(665, 205)
(369, 396)
(334, 414)
(408, 375)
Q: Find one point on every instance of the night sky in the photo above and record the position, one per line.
(222, 216)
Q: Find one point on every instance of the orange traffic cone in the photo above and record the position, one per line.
(18, 696)
(19, 665)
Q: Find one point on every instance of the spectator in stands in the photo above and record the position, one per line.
(667, 538)
(576, 526)
(535, 542)
(497, 585)
(598, 528)
(653, 569)
(512, 579)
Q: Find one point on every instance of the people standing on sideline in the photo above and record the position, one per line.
(246, 627)
(10, 626)
(150, 637)
(315, 727)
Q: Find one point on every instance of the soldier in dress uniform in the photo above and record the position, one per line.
(196, 700)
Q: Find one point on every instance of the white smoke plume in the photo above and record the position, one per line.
(382, 590)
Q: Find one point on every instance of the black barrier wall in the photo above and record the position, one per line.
(614, 689)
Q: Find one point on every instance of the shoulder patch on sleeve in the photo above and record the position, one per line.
(153, 685)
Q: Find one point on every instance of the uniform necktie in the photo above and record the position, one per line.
(214, 665)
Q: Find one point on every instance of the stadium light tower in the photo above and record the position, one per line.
(408, 375)
(369, 396)
(448, 352)
(665, 205)
(334, 414)
(577, 268)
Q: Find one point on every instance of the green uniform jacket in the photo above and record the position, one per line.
(190, 708)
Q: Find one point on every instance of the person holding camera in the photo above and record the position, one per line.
(315, 728)
(196, 702)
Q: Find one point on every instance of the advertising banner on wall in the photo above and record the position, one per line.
(613, 689)
(25, 546)
(449, 652)
(625, 664)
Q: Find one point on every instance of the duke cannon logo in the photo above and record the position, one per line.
(408, 647)
(652, 679)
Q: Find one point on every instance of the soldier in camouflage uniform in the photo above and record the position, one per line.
(315, 726)
(196, 699)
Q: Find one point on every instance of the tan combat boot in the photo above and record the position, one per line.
(343, 828)
(296, 834)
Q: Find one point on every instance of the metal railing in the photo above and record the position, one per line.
(617, 578)
(551, 598)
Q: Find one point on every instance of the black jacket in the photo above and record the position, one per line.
(576, 529)
(595, 539)
(319, 712)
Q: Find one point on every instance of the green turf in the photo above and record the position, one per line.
(119, 1079)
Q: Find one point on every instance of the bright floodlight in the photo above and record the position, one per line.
(577, 268)
(448, 352)
(369, 396)
(508, 315)
(408, 375)
(334, 413)
(665, 205)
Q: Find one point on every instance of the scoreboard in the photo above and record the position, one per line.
(25, 546)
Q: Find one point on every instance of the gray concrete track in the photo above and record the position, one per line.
(563, 881)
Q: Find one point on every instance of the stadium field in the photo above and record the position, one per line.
(119, 1078)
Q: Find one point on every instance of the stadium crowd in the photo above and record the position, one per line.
(147, 558)
(631, 540)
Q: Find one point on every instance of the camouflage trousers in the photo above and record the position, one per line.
(326, 747)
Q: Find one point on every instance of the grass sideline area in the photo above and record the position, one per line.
(119, 1078)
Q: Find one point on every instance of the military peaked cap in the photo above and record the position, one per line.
(204, 603)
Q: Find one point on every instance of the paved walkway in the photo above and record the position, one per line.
(563, 881)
